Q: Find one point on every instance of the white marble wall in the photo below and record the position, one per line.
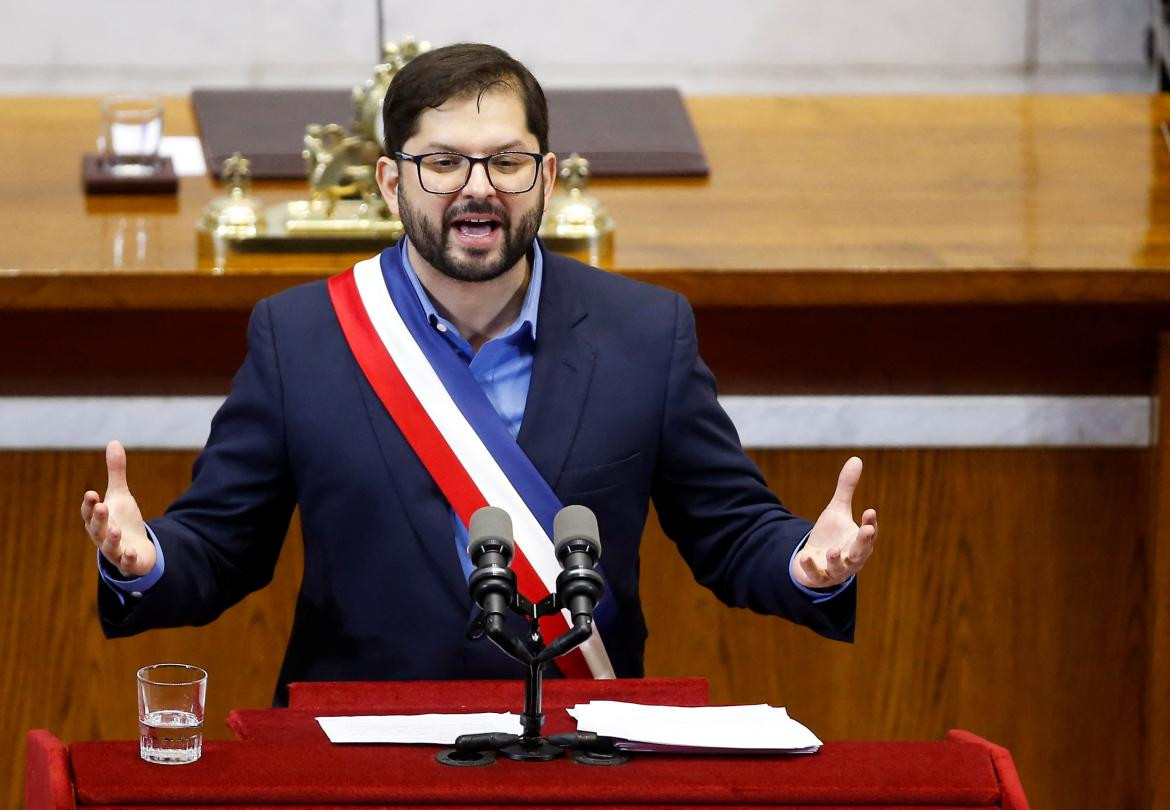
(87, 423)
(737, 46)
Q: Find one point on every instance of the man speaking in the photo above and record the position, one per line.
(466, 365)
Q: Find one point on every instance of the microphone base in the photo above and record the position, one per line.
(537, 750)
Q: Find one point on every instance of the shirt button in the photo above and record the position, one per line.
(442, 327)
(136, 594)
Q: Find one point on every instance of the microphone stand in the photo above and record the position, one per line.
(530, 744)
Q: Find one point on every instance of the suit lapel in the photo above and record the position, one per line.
(561, 371)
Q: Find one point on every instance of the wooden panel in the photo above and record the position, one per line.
(1157, 751)
(811, 201)
(970, 350)
(998, 601)
(58, 671)
(1004, 597)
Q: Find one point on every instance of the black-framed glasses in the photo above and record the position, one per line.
(448, 172)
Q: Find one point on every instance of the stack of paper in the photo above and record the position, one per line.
(702, 729)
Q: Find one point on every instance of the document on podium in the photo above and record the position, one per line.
(417, 729)
(700, 729)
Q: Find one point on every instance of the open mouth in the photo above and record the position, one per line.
(476, 228)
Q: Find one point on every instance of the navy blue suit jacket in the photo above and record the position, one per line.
(620, 410)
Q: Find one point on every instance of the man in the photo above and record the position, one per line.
(592, 381)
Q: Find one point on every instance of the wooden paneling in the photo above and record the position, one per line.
(1157, 751)
(58, 671)
(1005, 597)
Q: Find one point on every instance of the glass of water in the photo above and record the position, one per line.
(130, 135)
(171, 698)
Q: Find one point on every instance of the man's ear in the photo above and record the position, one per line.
(388, 177)
(548, 168)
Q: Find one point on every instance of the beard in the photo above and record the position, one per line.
(434, 244)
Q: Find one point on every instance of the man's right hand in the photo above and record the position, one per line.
(115, 524)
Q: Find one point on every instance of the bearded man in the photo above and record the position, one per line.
(465, 365)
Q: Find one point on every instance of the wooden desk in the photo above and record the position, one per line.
(872, 245)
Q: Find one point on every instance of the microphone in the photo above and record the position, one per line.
(492, 583)
(578, 547)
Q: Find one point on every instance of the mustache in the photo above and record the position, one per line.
(477, 207)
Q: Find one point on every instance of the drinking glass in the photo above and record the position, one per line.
(130, 134)
(171, 698)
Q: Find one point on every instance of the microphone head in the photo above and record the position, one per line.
(576, 523)
(490, 525)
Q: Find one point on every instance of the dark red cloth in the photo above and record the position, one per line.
(1005, 768)
(47, 785)
(285, 759)
(937, 774)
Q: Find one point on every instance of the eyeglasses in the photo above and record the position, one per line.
(448, 172)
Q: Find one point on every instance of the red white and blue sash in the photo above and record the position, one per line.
(451, 425)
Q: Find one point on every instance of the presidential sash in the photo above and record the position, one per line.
(451, 425)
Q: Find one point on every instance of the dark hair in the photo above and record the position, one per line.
(463, 70)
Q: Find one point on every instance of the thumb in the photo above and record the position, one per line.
(116, 467)
(846, 484)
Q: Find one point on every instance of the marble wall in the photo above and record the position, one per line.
(737, 46)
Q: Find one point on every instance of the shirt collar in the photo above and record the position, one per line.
(525, 322)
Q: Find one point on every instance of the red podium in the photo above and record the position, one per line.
(282, 758)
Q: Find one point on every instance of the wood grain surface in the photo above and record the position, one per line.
(811, 201)
(1157, 751)
(1000, 600)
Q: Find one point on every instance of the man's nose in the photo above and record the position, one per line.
(478, 184)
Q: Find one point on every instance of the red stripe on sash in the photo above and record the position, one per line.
(428, 443)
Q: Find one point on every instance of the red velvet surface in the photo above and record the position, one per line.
(283, 759)
(1005, 768)
(270, 772)
(47, 785)
(489, 696)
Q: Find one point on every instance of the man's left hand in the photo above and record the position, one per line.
(837, 547)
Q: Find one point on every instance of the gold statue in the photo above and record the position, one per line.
(575, 222)
(237, 214)
(344, 201)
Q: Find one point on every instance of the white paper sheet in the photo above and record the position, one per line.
(744, 729)
(185, 152)
(426, 729)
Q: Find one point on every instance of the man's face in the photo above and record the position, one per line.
(476, 233)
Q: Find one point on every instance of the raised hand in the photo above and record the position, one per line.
(115, 524)
(837, 548)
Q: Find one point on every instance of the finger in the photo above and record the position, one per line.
(97, 524)
(869, 517)
(112, 545)
(860, 549)
(88, 501)
(834, 565)
(846, 483)
(811, 569)
(116, 466)
(129, 556)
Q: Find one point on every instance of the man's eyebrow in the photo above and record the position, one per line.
(510, 146)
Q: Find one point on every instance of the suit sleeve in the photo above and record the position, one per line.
(714, 503)
(223, 536)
